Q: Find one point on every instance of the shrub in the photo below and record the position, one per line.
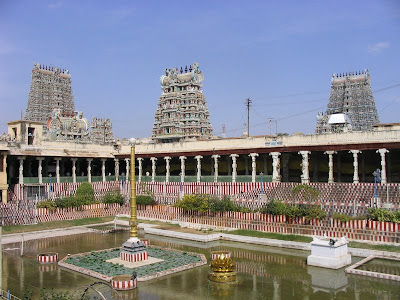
(308, 192)
(194, 202)
(224, 204)
(314, 212)
(145, 200)
(345, 218)
(113, 197)
(382, 214)
(294, 211)
(274, 208)
(65, 202)
(84, 194)
(49, 204)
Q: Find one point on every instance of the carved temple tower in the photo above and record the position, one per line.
(50, 90)
(182, 109)
(351, 104)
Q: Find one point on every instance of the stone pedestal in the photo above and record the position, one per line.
(133, 250)
(328, 253)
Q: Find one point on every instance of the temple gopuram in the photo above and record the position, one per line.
(351, 105)
(182, 112)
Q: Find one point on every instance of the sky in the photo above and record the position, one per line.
(280, 54)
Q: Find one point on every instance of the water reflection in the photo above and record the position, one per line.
(263, 272)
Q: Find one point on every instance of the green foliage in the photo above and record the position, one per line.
(194, 202)
(308, 192)
(224, 204)
(345, 218)
(84, 194)
(274, 208)
(52, 295)
(381, 214)
(27, 294)
(49, 204)
(113, 197)
(205, 202)
(65, 202)
(314, 212)
(279, 208)
(145, 199)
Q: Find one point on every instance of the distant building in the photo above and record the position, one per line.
(182, 109)
(51, 103)
(50, 89)
(351, 105)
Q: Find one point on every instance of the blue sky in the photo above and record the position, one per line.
(281, 54)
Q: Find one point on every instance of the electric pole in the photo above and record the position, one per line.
(248, 102)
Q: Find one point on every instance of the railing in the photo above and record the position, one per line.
(7, 295)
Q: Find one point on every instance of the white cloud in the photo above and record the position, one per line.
(54, 5)
(378, 47)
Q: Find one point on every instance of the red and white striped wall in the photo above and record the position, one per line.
(123, 283)
(47, 258)
(134, 257)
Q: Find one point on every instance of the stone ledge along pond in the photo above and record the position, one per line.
(263, 272)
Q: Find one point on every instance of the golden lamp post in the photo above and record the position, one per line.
(133, 249)
(133, 231)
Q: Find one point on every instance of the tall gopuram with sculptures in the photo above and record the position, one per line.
(50, 89)
(182, 112)
(51, 104)
(351, 104)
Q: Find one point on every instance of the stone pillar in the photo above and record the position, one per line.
(305, 177)
(339, 167)
(234, 166)
(276, 167)
(74, 169)
(285, 167)
(40, 169)
(116, 168)
(182, 158)
(89, 169)
(103, 169)
(382, 152)
(253, 166)
(127, 167)
(330, 164)
(356, 179)
(215, 157)
(167, 168)
(21, 169)
(57, 159)
(140, 168)
(198, 158)
(153, 168)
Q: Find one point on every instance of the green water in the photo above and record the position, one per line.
(263, 272)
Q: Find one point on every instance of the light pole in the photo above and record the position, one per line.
(133, 249)
(133, 231)
(261, 181)
(50, 185)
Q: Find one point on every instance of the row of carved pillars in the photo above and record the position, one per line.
(276, 167)
(276, 162)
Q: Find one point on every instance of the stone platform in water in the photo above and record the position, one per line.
(328, 253)
(105, 264)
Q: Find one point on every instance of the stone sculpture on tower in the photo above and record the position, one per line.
(351, 104)
(182, 112)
